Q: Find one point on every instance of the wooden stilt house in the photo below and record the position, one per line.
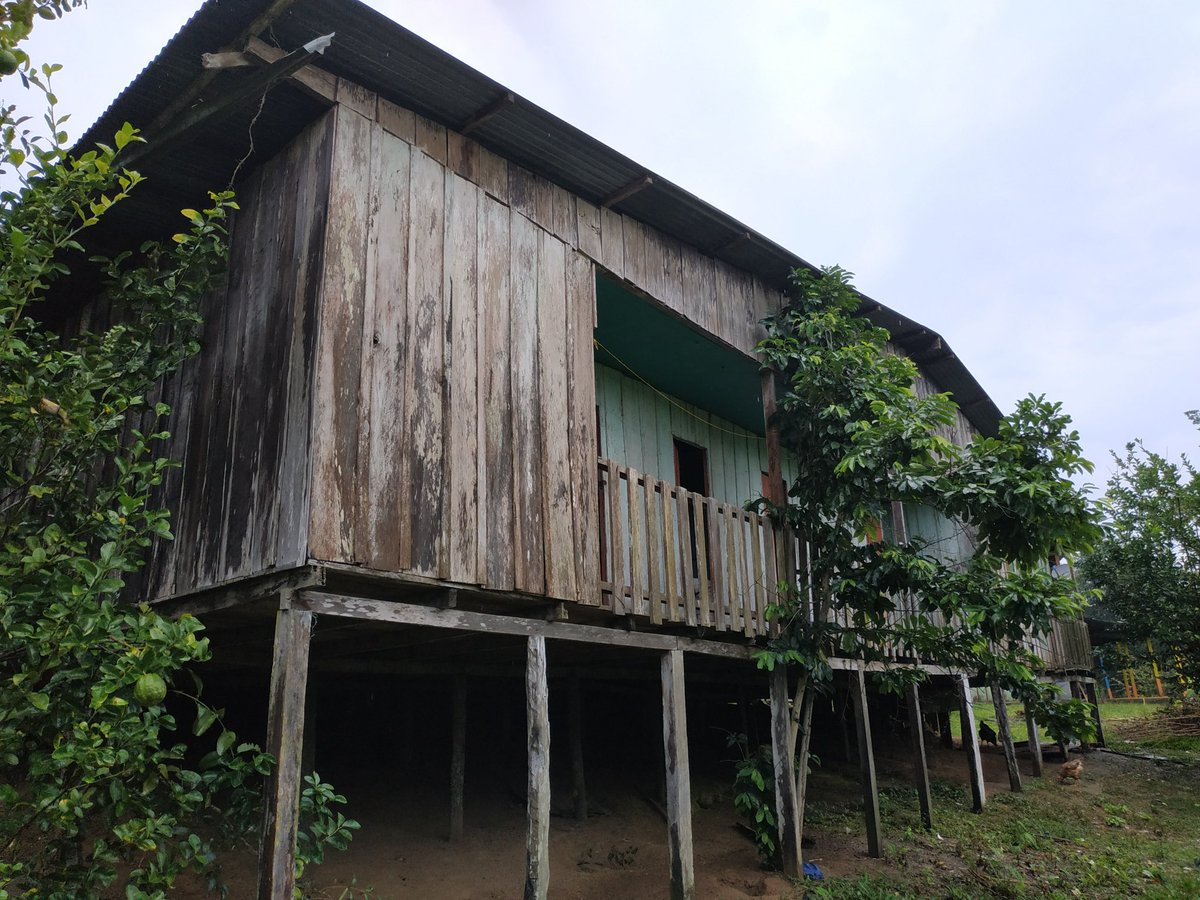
(472, 371)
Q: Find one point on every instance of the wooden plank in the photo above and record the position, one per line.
(612, 242)
(970, 742)
(616, 546)
(720, 586)
(537, 731)
(634, 233)
(411, 614)
(460, 535)
(733, 570)
(285, 728)
(687, 562)
(866, 762)
(430, 137)
(425, 367)
(670, 552)
(458, 755)
(679, 782)
(636, 540)
(562, 222)
(743, 561)
(1035, 741)
(522, 192)
(528, 540)
(587, 228)
(336, 407)
(1006, 740)
(916, 729)
(655, 564)
(492, 171)
(396, 120)
(760, 593)
(699, 511)
(787, 816)
(496, 476)
(581, 391)
(771, 539)
(356, 97)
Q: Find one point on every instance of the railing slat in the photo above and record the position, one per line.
(669, 552)
(687, 563)
(713, 524)
(702, 558)
(773, 575)
(617, 544)
(759, 588)
(654, 572)
(635, 543)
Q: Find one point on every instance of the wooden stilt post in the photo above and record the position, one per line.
(285, 729)
(537, 729)
(1090, 693)
(1077, 693)
(1006, 740)
(921, 770)
(577, 774)
(679, 788)
(970, 742)
(458, 756)
(1035, 742)
(787, 818)
(866, 761)
(944, 732)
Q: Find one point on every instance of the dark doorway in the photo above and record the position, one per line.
(691, 467)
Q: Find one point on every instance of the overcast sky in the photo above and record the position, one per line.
(1022, 177)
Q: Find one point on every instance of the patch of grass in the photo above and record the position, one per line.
(1129, 829)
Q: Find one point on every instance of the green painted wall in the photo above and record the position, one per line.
(638, 426)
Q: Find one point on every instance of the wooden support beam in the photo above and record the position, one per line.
(228, 60)
(497, 106)
(920, 768)
(970, 742)
(787, 818)
(1089, 689)
(679, 779)
(578, 781)
(1006, 740)
(866, 761)
(624, 193)
(1035, 741)
(944, 732)
(537, 804)
(458, 755)
(285, 729)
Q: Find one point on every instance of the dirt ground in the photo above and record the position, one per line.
(619, 852)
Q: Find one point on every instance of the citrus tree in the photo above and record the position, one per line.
(862, 438)
(95, 781)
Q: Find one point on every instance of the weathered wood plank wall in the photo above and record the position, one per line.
(240, 421)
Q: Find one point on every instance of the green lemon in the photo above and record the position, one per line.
(150, 689)
(8, 62)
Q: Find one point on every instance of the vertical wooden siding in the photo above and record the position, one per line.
(240, 421)
(454, 417)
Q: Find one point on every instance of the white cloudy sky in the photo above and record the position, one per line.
(1021, 176)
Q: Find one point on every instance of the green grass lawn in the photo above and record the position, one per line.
(1128, 828)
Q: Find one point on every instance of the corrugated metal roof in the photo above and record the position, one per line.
(372, 50)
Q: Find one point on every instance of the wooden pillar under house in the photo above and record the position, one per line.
(578, 780)
(970, 742)
(1035, 742)
(285, 730)
(1090, 693)
(537, 731)
(1006, 739)
(679, 789)
(944, 733)
(920, 767)
(458, 755)
(866, 761)
(787, 816)
(1077, 693)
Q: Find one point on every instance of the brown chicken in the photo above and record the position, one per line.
(1072, 768)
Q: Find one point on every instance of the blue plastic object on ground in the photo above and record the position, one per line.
(813, 872)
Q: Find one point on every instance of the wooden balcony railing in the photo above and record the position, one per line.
(677, 556)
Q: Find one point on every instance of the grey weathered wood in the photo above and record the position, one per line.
(970, 742)
(285, 729)
(679, 788)
(537, 730)
(578, 779)
(787, 818)
(920, 769)
(866, 761)
(1006, 740)
(1035, 741)
(458, 755)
